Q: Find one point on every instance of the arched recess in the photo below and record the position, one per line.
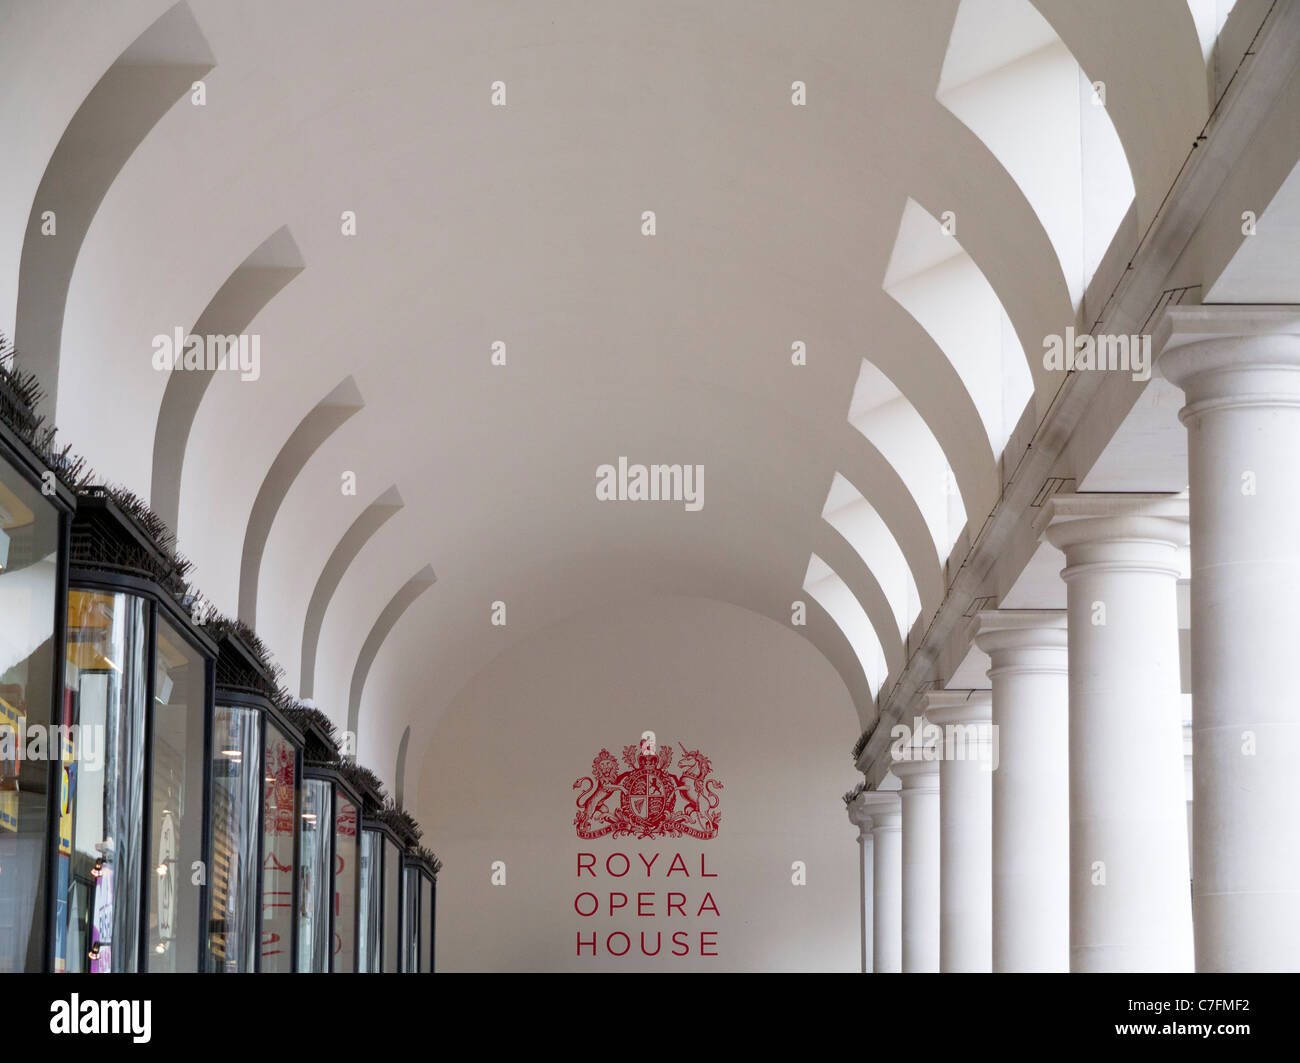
(818, 628)
(253, 284)
(402, 671)
(1155, 79)
(401, 601)
(834, 595)
(873, 477)
(319, 424)
(857, 520)
(932, 277)
(894, 427)
(864, 583)
(1013, 82)
(831, 642)
(372, 518)
(140, 87)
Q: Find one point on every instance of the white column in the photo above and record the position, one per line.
(886, 880)
(920, 799)
(1130, 908)
(1031, 788)
(965, 827)
(1239, 368)
(860, 817)
(1187, 793)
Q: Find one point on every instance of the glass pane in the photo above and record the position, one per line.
(280, 788)
(177, 802)
(392, 905)
(314, 889)
(426, 925)
(411, 920)
(232, 871)
(100, 858)
(29, 537)
(345, 886)
(368, 943)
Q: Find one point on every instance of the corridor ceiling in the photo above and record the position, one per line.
(908, 195)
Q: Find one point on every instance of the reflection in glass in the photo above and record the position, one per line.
(99, 865)
(410, 919)
(232, 872)
(368, 942)
(176, 841)
(278, 818)
(346, 824)
(314, 877)
(29, 537)
(392, 905)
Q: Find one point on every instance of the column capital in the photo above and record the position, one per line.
(943, 707)
(999, 631)
(1228, 357)
(918, 770)
(1178, 326)
(884, 808)
(1117, 531)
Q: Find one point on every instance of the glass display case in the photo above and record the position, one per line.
(256, 778)
(281, 798)
(33, 597)
(379, 947)
(372, 892)
(411, 881)
(315, 877)
(419, 892)
(330, 878)
(129, 893)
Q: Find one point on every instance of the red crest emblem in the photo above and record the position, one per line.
(648, 800)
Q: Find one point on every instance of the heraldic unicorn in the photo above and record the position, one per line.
(648, 800)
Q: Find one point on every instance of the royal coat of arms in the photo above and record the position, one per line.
(648, 800)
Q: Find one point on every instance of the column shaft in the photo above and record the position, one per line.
(965, 828)
(867, 884)
(1031, 788)
(1130, 908)
(1240, 370)
(886, 879)
(920, 860)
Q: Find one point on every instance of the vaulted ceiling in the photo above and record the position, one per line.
(943, 191)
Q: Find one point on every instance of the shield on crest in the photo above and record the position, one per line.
(648, 792)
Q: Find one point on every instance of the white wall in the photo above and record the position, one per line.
(754, 697)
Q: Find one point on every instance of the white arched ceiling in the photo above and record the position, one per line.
(1209, 17)
(1149, 57)
(932, 277)
(890, 422)
(66, 136)
(857, 520)
(833, 595)
(1013, 82)
(775, 226)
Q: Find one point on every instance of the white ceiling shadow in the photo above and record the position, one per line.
(893, 426)
(857, 520)
(1010, 79)
(833, 595)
